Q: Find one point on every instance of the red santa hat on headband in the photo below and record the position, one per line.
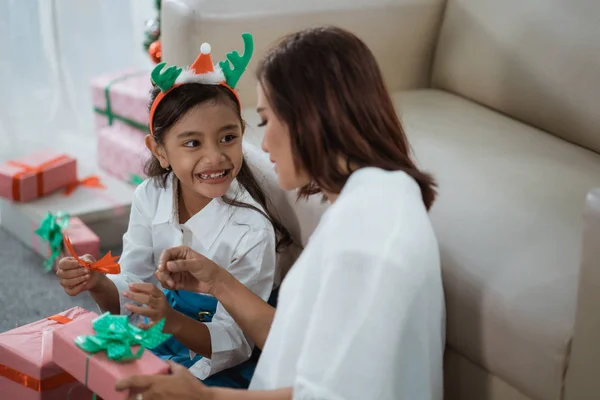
(202, 70)
(226, 72)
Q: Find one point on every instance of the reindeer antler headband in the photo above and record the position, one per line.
(202, 71)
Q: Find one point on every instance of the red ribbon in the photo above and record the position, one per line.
(29, 169)
(61, 319)
(105, 265)
(92, 181)
(39, 385)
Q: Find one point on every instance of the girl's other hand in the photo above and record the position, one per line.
(154, 304)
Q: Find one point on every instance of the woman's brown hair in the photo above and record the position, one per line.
(326, 86)
(174, 106)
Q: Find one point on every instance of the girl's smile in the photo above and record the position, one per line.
(214, 176)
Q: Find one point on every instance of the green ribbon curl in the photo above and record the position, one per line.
(51, 230)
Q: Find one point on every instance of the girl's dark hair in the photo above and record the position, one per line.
(326, 86)
(174, 106)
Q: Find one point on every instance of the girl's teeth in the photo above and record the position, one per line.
(213, 176)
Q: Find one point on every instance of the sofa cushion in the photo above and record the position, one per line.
(535, 60)
(508, 219)
(401, 33)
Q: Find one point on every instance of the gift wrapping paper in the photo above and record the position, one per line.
(121, 99)
(99, 373)
(36, 175)
(122, 153)
(27, 371)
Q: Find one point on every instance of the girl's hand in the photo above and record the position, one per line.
(76, 279)
(154, 304)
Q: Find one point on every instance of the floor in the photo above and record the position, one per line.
(27, 292)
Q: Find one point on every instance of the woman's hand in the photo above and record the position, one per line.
(180, 385)
(181, 268)
(155, 305)
(76, 279)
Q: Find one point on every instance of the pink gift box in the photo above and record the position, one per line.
(82, 238)
(122, 153)
(121, 99)
(27, 371)
(102, 373)
(36, 175)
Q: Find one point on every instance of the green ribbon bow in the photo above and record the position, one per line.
(115, 335)
(50, 230)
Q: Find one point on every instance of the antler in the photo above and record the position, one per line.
(232, 76)
(165, 80)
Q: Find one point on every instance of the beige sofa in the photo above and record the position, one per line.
(500, 100)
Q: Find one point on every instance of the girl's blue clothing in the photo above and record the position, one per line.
(202, 308)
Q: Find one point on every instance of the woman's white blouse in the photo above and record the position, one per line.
(238, 239)
(361, 314)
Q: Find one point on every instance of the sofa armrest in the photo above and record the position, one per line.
(582, 380)
(401, 33)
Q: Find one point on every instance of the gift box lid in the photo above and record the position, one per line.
(131, 83)
(28, 348)
(35, 160)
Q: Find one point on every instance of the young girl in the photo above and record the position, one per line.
(202, 195)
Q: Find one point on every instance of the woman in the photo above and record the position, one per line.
(361, 313)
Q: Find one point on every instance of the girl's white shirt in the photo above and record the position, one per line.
(361, 315)
(238, 239)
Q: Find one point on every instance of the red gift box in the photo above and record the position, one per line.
(36, 175)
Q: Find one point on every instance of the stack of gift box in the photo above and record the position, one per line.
(45, 197)
(55, 207)
(76, 355)
(121, 118)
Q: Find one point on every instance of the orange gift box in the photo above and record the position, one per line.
(36, 175)
(27, 371)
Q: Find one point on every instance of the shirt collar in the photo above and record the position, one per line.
(205, 225)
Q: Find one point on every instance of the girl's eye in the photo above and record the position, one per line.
(191, 143)
(262, 123)
(228, 138)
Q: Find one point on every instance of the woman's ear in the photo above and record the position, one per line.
(157, 151)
